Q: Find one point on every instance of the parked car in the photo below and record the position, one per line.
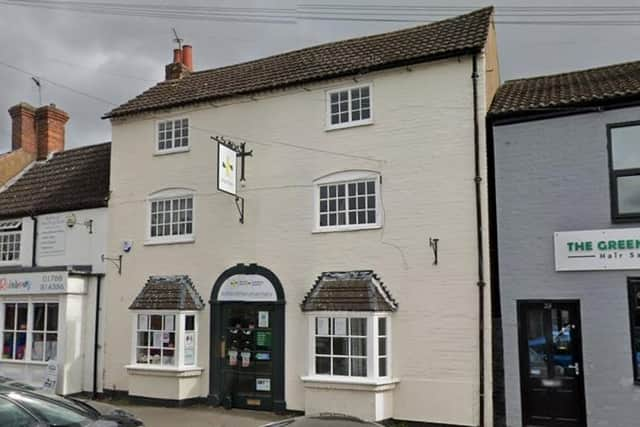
(323, 420)
(22, 405)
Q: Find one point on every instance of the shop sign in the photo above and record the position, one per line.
(247, 287)
(589, 250)
(51, 235)
(53, 282)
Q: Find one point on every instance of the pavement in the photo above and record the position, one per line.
(199, 416)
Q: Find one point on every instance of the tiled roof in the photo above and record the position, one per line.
(168, 293)
(585, 88)
(447, 38)
(349, 291)
(69, 180)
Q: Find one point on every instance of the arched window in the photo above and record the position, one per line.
(171, 216)
(347, 200)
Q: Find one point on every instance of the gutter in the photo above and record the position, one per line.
(96, 345)
(481, 283)
(35, 241)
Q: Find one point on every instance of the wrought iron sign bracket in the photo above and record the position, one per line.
(240, 207)
(433, 243)
(115, 261)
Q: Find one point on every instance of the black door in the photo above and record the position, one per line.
(247, 355)
(551, 363)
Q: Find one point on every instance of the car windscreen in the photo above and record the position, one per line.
(55, 414)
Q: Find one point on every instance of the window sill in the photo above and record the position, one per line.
(153, 242)
(367, 122)
(172, 151)
(23, 362)
(319, 230)
(350, 383)
(163, 371)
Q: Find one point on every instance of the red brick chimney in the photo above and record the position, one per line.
(182, 64)
(50, 122)
(23, 128)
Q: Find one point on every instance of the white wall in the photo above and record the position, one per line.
(59, 245)
(422, 136)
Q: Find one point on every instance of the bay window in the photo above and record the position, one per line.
(165, 339)
(350, 345)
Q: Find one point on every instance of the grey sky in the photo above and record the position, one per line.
(116, 57)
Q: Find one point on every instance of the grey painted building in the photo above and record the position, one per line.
(565, 303)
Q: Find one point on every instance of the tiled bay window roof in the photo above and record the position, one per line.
(168, 293)
(360, 290)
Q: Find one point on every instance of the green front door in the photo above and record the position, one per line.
(246, 355)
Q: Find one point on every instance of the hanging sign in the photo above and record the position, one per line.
(227, 168)
(589, 250)
(247, 287)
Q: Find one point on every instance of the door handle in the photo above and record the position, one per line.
(575, 366)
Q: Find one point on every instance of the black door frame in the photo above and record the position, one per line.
(523, 352)
(215, 365)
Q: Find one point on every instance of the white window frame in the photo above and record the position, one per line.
(170, 194)
(346, 177)
(372, 347)
(179, 349)
(351, 122)
(30, 301)
(11, 227)
(157, 149)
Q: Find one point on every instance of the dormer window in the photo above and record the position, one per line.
(172, 136)
(10, 240)
(349, 107)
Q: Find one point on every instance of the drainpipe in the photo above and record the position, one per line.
(96, 345)
(481, 284)
(35, 240)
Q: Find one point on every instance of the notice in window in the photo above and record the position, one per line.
(263, 319)
(263, 384)
(189, 346)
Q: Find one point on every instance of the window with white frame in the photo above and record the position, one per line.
(30, 331)
(165, 339)
(14, 332)
(173, 135)
(349, 106)
(44, 334)
(344, 346)
(171, 218)
(10, 236)
(348, 200)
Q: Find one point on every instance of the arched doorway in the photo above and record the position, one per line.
(247, 339)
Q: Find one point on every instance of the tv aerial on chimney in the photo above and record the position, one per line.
(177, 39)
(38, 84)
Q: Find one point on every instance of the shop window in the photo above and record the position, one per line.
(349, 107)
(348, 201)
(171, 217)
(634, 307)
(624, 171)
(10, 241)
(344, 346)
(14, 333)
(44, 334)
(162, 340)
(172, 135)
